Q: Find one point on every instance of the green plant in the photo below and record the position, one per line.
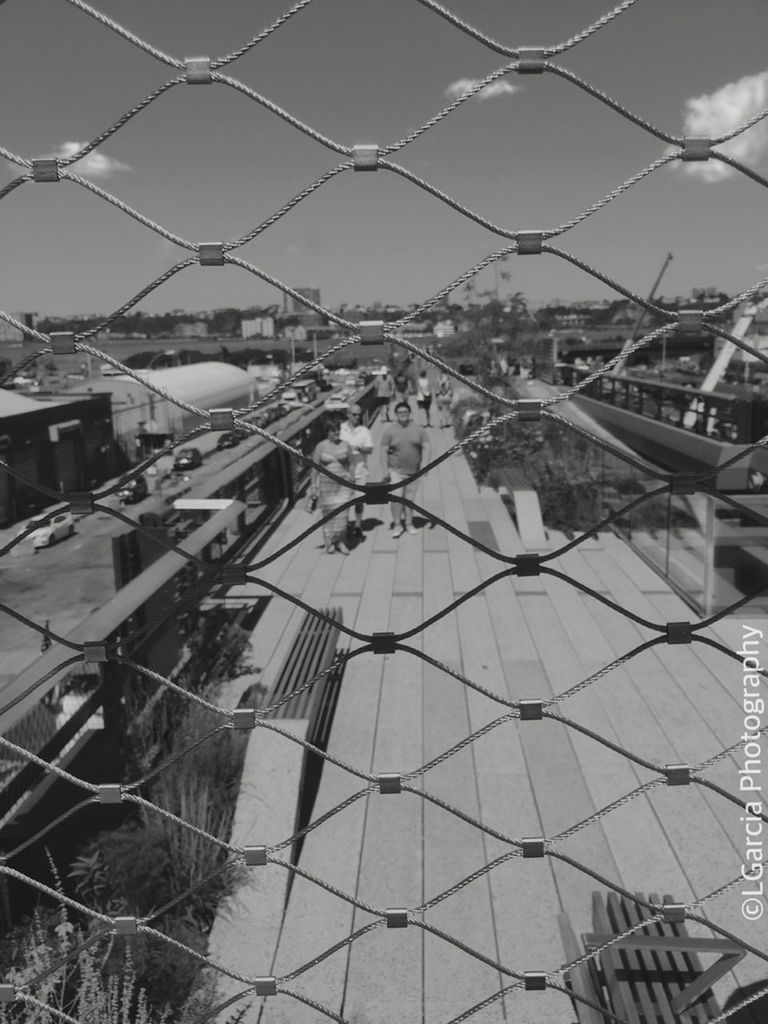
(148, 862)
(92, 984)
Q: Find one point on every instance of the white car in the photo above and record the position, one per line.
(45, 534)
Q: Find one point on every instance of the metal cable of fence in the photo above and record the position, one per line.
(406, 345)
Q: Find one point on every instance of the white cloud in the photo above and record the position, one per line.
(721, 112)
(498, 88)
(94, 165)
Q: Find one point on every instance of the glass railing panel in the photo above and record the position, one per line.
(740, 555)
(688, 550)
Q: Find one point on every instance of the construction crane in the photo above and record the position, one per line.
(619, 367)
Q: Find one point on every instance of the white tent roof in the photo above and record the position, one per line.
(206, 385)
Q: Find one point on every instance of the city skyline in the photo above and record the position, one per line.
(528, 152)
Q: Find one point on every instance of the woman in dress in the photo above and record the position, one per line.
(334, 454)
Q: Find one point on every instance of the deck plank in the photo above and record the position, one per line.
(452, 849)
(390, 874)
(509, 804)
(314, 919)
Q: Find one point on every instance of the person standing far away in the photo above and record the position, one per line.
(403, 386)
(385, 390)
(360, 442)
(424, 396)
(444, 399)
(405, 448)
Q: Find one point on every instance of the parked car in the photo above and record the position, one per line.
(290, 399)
(231, 438)
(45, 534)
(188, 458)
(134, 490)
(339, 400)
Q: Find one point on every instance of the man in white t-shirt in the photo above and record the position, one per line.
(359, 439)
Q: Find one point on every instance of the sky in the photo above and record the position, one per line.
(209, 164)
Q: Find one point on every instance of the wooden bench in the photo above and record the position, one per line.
(527, 512)
(313, 651)
(652, 977)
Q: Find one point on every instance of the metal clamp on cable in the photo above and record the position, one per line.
(7, 994)
(531, 710)
(211, 254)
(265, 986)
(63, 343)
(390, 783)
(383, 643)
(674, 913)
(255, 855)
(222, 419)
(110, 793)
(45, 170)
(198, 70)
(528, 565)
(690, 321)
(366, 157)
(529, 242)
(696, 147)
(679, 632)
(376, 494)
(535, 981)
(81, 503)
(532, 848)
(95, 652)
(678, 774)
(530, 61)
(529, 410)
(371, 332)
(396, 918)
(126, 926)
(683, 483)
(233, 575)
(244, 718)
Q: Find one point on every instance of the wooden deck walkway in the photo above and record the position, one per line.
(532, 637)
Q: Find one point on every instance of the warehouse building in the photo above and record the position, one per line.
(64, 444)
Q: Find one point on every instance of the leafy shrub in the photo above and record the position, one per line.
(139, 868)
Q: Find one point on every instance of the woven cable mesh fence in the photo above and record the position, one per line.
(28, 745)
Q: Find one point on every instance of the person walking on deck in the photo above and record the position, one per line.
(334, 454)
(385, 391)
(403, 386)
(405, 448)
(424, 396)
(444, 399)
(360, 442)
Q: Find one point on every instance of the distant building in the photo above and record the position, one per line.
(295, 332)
(198, 329)
(293, 306)
(444, 329)
(258, 327)
(414, 327)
